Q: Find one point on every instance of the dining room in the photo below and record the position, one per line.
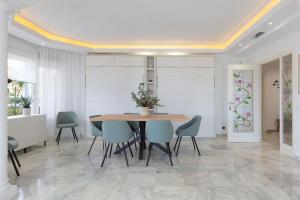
(140, 100)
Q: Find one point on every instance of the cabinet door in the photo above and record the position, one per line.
(129, 61)
(200, 61)
(189, 91)
(108, 90)
(170, 61)
(99, 61)
(18, 128)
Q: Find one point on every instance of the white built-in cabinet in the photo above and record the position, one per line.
(185, 84)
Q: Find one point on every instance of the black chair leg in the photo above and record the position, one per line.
(74, 132)
(13, 162)
(169, 153)
(58, 136)
(74, 138)
(176, 142)
(125, 154)
(193, 143)
(149, 154)
(105, 155)
(118, 146)
(92, 145)
(111, 146)
(178, 145)
(130, 149)
(16, 157)
(196, 146)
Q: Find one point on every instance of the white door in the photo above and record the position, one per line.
(244, 103)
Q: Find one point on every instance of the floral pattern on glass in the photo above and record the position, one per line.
(243, 100)
(287, 111)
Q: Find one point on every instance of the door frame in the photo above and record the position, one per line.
(284, 148)
(257, 76)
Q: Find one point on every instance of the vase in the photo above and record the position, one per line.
(26, 111)
(144, 111)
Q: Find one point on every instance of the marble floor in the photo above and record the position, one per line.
(224, 171)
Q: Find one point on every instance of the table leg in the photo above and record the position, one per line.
(142, 140)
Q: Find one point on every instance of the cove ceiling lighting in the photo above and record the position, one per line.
(58, 38)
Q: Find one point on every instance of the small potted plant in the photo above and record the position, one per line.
(26, 104)
(145, 100)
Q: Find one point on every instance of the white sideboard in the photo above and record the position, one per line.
(28, 130)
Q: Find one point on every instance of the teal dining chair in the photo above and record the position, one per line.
(189, 129)
(135, 127)
(12, 146)
(116, 132)
(159, 132)
(96, 130)
(66, 120)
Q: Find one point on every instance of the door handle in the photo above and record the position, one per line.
(230, 105)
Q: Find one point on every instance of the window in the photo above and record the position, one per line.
(22, 77)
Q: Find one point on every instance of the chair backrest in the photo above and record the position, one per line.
(97, 124)
(159, 131)
(67, 117)
(191, 128)
(116, 131)
(134, 125)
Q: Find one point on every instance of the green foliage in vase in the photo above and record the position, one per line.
(26, 102)
(143, 98)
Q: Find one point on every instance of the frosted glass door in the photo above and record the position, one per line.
(286, 101)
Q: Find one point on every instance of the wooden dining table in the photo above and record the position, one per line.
(142, 123)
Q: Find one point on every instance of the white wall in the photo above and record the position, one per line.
(270, 95)
(287, 41)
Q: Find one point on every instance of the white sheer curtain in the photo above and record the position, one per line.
(61, 86)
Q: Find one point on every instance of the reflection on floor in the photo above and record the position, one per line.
(271, 137)
(224, 171)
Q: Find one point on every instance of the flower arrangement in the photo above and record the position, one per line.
(144, 99)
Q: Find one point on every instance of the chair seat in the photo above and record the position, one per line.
(12, 144)
(67, 125)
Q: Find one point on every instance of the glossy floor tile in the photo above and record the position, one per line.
(224, 171)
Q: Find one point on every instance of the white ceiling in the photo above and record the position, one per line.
(144, 21)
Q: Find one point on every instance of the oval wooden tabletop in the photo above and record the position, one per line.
(137, 117)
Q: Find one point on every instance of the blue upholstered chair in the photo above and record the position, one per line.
(189, 129)
(159, 132)
(12, 146)
(116, 132)
(96, 129)
(66, 120)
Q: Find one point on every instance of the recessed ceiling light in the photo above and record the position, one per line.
(270, 23)
(240, 44)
